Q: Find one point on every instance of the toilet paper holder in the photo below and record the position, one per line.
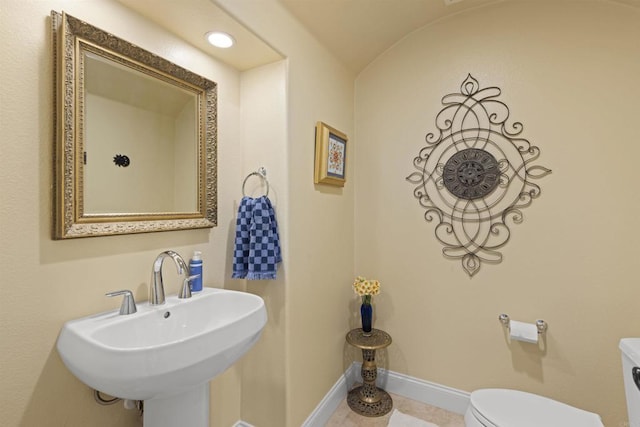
(540, 324)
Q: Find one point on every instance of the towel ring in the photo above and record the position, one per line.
(262, 173)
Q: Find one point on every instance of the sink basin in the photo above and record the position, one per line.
(162, 350)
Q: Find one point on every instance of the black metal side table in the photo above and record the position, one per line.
(369, 400)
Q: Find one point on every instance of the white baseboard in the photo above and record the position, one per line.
(328, 405)
(451, 399)
(403, 385)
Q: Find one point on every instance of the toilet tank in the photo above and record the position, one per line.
(630, 348)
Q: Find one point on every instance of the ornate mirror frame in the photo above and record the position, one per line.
(69, 36)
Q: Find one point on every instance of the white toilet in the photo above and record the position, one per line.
(495, 407)
(630, 348)
(512, 408)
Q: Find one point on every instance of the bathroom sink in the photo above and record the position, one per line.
(162, 350)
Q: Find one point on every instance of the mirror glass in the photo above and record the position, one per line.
(154, 146)
(136, 137)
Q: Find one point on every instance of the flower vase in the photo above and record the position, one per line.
(366, 313)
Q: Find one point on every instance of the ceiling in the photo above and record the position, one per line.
(358, 31)
(192, 19)
(355, 31)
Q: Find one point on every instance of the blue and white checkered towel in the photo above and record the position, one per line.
(257, 245)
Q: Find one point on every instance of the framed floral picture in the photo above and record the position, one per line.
(331, 153)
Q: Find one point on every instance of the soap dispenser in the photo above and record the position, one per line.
(195, 268)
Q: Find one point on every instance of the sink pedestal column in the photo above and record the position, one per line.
(190, 408)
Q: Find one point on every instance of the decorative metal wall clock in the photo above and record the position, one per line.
(475, 175)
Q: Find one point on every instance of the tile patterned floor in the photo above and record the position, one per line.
(345, 417)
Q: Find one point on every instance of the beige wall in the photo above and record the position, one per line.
(49, 282)
(45, 282)
(319, 227)
(263, 133)
(568, 71)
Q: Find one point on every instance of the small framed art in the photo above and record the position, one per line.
(331, 156)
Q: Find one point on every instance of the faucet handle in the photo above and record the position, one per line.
(185, 292)
(128, 302)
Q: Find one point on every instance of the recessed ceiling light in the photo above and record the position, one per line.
(220, 39)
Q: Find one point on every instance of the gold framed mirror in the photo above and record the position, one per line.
(136, 137)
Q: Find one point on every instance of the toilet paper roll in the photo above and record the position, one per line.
(520, 331)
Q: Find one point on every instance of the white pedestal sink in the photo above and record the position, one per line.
(164, 354)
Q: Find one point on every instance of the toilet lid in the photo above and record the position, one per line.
(512, 408)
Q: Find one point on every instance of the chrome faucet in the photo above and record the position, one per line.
(185, 292)
(128, 303)
(156, 290)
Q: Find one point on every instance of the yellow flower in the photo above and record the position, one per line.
(364, 287)
(375, 287)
